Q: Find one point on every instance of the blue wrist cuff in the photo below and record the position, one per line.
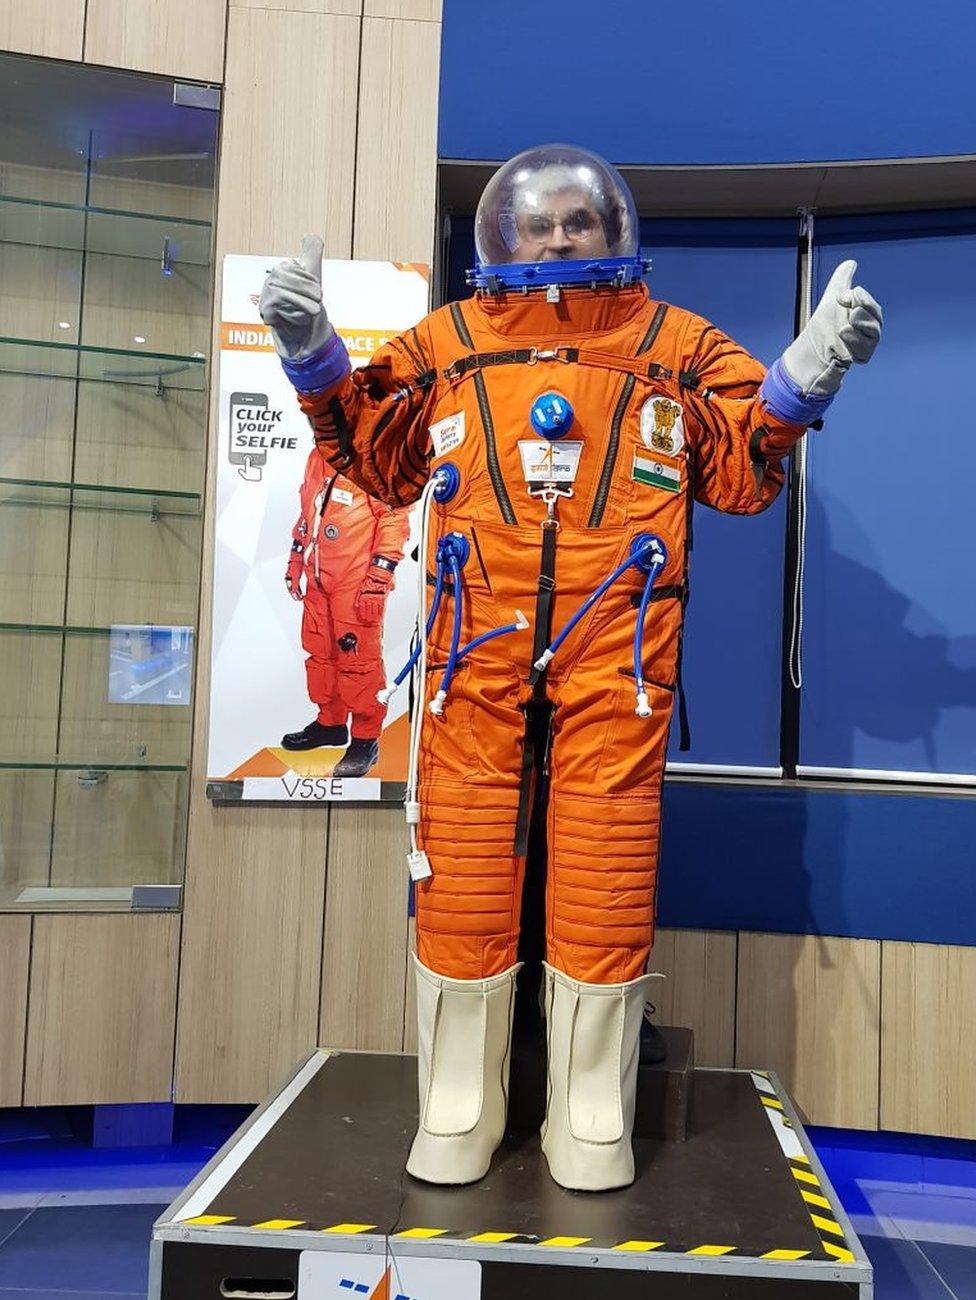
(787, 400)
(323, 369)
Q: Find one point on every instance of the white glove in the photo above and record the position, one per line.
(291, 303)
(844, 328)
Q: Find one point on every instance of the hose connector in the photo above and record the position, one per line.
(436, 706)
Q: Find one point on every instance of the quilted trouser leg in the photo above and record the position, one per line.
(604, 817)
(468, 910)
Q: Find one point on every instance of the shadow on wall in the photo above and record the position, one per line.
(812, 862)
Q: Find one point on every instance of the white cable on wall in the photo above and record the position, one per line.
(796, 622)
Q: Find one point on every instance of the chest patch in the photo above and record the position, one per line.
(549, 462)
(662, 425)
(447, 434)
(342, 496)
(655, 473)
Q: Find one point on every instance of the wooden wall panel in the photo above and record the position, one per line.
(349, 8)
(699, 989)
(396, 166)
(54, 28)
(366, 930)
(279, 181)
(809, 1008)
(180, 38)
(14, 958)
(928, 1050)
(102, 1008)
(410, 993)
(26, 811)
(127, 829)
(255, 877)
(429, 10)
(252, 949)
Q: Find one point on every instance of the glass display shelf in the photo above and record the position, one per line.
(57, 629)
(159, 370)
(95, 766)
(31, 895)
(99, 496)
(111, 231)
(27, 896)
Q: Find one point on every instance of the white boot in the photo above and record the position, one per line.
(464, 1039)
(593, 1035)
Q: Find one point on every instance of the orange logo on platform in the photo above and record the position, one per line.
(380, 1292)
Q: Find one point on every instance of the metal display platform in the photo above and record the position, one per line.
(310, 1199)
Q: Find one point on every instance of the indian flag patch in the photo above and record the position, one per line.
(657, 473)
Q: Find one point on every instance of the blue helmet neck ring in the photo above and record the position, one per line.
(609, 272)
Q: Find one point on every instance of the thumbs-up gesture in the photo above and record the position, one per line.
(844, 328)
(291, 303)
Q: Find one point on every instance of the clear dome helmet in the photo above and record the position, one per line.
(556, 215)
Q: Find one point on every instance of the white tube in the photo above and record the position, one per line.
(412, 802)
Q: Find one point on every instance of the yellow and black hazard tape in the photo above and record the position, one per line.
(707, 1249)
(822, 1213)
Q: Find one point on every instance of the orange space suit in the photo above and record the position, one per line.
(558, 428)
(347, 545)
(666, 411)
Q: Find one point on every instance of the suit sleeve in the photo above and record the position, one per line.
(391, 532)
(372, 425)
(737, 443)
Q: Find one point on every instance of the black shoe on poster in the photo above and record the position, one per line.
(316, 736)
(358, 758)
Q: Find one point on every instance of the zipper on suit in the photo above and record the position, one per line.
(613, 443)
(487, 423)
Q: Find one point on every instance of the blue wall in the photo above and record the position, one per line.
(801, 861)
(759, 81)
(764, 82)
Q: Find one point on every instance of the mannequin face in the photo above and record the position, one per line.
(564, 225)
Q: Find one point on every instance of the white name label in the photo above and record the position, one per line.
(312, 789)
(342, 495)
(447, 434)
(550, 462)
(331, 1275)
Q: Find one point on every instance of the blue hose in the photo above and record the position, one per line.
(638, 554)
(489, 636)
(643, 708)
(435, 603)
(452, 657)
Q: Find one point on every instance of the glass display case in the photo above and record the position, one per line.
(106, 210)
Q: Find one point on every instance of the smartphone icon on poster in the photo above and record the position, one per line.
(246, 410)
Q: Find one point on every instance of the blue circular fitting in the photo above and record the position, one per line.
(454, 546)
(551, 415)
(654, 551)
(450, 480)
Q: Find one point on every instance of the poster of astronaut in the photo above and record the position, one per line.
(314, 591)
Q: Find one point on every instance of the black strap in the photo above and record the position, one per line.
(526, 787)
(684, 730)
(545, 594)
(674, 591)
(479, 360)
